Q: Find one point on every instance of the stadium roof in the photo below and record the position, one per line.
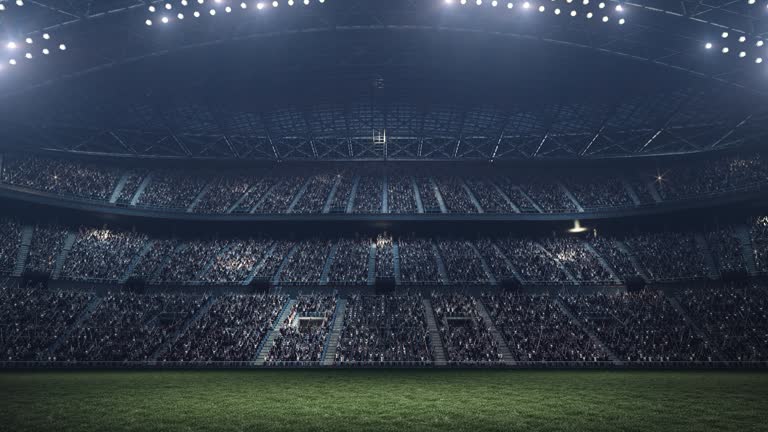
(374, 79)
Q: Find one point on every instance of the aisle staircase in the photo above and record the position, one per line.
(171, 341)
(256, 268)
(396, 260)
(506, 354)
(602, 261)
(417, 196)
(621, 246)
(435, 341)
(372, 264)
(692, 324)
(745, 240)
(200, 196)
(69, 241)
(589, 332)
(83, 317)
(557, 262)
(269, 339)
(140, 190)
(441, 270)
(631, 191)
(571, 197)
(137, 259)
(298, 195)
(27, 231)
(352, 195)
(712, 269)
(331, 195)
(329, 352)
(328, 263)
(438, 195)
(483, 263)
(472, 197)
(119, 187)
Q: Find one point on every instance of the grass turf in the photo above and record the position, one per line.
(380, 400)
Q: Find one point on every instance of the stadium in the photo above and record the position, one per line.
(369, 215)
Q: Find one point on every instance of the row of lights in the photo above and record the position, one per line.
(18, 3)
(572, 4)
(28, 47)
(228, 8)
(743, 41)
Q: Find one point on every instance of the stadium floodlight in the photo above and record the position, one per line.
(11, 45)
(46, 51)
(577, 228)
(12, 62)
(19, 2)
(243, 5)
(28, 56)
(708, 45)
(228, 9)
(165, 20)
(759, 60)
(28, 40)
(62, 47)
(180, 16)
(275, 4)
(2, 7)
(759, 43)
(742, 54)
(148, 22)
(212, 12)
(725, 50)
(724, 35)
(622, 21)
(46, 36)
(151, 8)
(196, 14)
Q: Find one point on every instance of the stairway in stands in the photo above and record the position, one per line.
(745, 240)
(136, 260)
(396, 260)
(119, 188)
(171, 341)
(611, 355)
(69, 241)
(712, 270)
(621, 246)
(436, 342)
(21, 256)
(372, 264)
(588, 246)
(506, 354)
(328, 263)
(441, 270)
(692, 324)
(269, 339)
(84, 315)
(332, 345)
(483, 264)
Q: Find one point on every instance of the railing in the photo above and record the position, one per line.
(384, 364)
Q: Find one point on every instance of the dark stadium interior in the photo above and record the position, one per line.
(455, 192)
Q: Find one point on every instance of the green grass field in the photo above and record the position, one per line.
(380, 400)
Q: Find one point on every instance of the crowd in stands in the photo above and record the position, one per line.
(669, 255)
(10, 240)
(47, 243)
(455, 195)
(734, 318)
(461, 261)
(466, 336)
(102, 254)
(418, 263)
(242, 192)
(759, 237)
(61, 177)
(350, 263)
(173, 190)
(640, 327)
(33, 319)
(726, 251)
(232, 330)
(238, 261)
(129, 327)
(114, 255)
(389, 329)
(368, 197)
(580, 262)
(401, 198)
(535, 328)
(618, 259)
(303, 334)
(385, 259)
(702, 325)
